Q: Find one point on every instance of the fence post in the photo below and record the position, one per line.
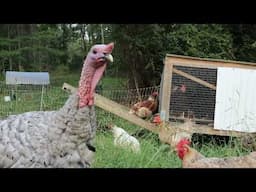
(42, 97)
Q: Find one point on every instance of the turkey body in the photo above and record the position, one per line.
(58, 139)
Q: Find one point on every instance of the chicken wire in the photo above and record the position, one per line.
(15, 99)
(128, 97)
(197, 101)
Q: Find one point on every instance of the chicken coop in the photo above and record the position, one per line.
(23, 91)
(217, 94)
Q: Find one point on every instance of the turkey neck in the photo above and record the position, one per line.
(85, 84)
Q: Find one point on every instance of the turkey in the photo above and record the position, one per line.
(57, 139)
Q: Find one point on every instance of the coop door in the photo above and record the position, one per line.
(235, 100)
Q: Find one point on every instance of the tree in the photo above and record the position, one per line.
(142, 48)
(244, 41)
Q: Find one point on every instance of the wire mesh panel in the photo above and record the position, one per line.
(190, 99)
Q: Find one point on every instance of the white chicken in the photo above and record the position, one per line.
(123, 139)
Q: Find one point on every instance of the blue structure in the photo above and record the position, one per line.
(32, 78)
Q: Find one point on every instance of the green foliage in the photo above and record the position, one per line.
(75, 55)
(139, 52)
(244, 40)
(200, 40)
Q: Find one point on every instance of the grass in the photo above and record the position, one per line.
(153, 153)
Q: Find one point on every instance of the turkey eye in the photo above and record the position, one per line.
(94, 51)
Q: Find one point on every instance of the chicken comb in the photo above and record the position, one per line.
(182, 142)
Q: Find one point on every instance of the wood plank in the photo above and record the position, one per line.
(206, 63)
(120, 111)
(116, 109)
(68, 88)
(203, 129)
(193, 78)
(166, 92)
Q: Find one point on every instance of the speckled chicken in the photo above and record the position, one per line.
(193, 159)
(57, 139)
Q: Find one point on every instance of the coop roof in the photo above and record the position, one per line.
(34, 78)
(206, 62)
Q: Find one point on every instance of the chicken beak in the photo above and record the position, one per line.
(109, 58)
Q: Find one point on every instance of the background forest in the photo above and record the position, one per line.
(139, 48)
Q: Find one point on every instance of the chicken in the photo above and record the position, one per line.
(182, 88)
(123, 139)
(57, 139)
(146, 108)
(193, 159)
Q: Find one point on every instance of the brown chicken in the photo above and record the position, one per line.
(193, 159)
(146, 108)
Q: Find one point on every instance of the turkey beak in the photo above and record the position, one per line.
(109, 58)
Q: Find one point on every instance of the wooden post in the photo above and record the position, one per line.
(166, 91)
